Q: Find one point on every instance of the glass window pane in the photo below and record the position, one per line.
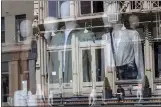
(67, 66)
(85, 7)
(157, 49)
(86, 62)
(2, 30)
(97, 6)
(4, 66)
(5, 87)
(54, 65)
(59, 40)
(19, 19)
(53, 8)
(99, 64)
(2, 24)
(3, 36)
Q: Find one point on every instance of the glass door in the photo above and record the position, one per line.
(92, 69)
(54, 70)
(60, 72)
(99, 68)
(85, 64)
(66, 73)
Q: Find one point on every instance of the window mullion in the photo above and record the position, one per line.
(91, 7)
(79, 8)
(58, 9)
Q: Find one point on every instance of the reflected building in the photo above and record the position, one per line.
(14, 62)
(76, 64)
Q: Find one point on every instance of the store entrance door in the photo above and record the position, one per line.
(60, 81)
(91, 63)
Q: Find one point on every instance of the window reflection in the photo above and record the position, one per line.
(54, 67)
(87, 75)
(5, 81)
(97, 6)
(67, 66)
(54, 8)
(59, 39)
(5, 87)
(99, 64)
(18, 20)
(88, 7)
(85, 7)
(2, 29)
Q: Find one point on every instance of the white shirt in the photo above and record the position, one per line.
(127, 47)
(67, 32)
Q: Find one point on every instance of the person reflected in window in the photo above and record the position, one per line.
(123, 48)
(120, 93)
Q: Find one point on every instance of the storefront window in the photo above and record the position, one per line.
(110, 40)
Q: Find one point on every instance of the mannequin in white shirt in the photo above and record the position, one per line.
(26, 32)
(134, 22)
(126, 46)
(70, 25)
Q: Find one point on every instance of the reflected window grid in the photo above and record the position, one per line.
(18, 20)
(2, 29)
(88, 7)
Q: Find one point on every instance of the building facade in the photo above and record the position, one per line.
(88, 15)
(14, 48)
(74, 66)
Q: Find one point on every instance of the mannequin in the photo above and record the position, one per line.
(26, 32)
(126, 50)
(70, 25)
(134, 22)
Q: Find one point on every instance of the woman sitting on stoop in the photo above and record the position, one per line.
(120, 93)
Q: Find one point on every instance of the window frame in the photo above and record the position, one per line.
(89, 14)
(18, 20)
(58, 10)
(3, 30)
(6, 72)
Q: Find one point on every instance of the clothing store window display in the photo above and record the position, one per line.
(123, 48)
